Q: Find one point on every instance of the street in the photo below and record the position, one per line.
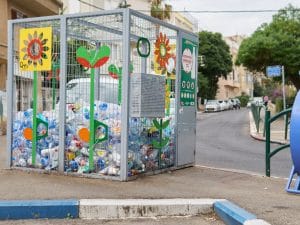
(223, 141)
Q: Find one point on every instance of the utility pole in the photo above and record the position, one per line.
(283, 88)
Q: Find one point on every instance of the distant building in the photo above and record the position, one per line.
(16, 9)
(75, 6)
(183, 20)
(239, 80)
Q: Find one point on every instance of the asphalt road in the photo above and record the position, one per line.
(223, 141)
(196, 220)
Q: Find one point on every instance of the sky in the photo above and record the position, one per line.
(231, 23)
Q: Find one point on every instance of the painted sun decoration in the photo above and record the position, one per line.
(162, 50)
(35, 49)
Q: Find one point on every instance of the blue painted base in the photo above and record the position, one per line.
(296, 187)
(232, 214)
(36, 209)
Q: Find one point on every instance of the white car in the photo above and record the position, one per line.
(229, 104)
(79, 90)
(223, 105)
(212, 106)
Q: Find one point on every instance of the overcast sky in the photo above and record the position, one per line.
(232, 23)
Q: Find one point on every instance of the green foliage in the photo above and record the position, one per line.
(160, 126)
(217, 62)
(244, 99)
(270, 86)
(203, 87)
(277, 43)
(279, 104)
(258, 89)
(159, 10)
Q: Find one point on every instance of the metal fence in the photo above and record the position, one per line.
(107, 106)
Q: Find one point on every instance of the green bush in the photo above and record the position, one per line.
(278, 104)
(244, 100)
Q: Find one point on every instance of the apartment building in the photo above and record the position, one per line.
(16, 9)
(239, 80)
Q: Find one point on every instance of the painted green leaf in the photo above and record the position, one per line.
(101, 56)
(93, 58)
(156, 124)
(83, 57)
(165, 124)
(156, 144)
(131, 68)
(113, 71)
(164, 142)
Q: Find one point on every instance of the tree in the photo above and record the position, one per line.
(258, 89)
(217, 62)
(159, 10)
(124, 4)
(203, 85)
(276, 43)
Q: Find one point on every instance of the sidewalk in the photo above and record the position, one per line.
(264, 197)
(277, 130)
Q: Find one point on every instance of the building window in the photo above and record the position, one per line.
(16, 14)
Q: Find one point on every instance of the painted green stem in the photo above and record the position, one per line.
(120, 89)
(160, 141)
(92, 129)
(34, 135)
(169, 90)
(53, 92)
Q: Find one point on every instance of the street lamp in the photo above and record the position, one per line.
(201, 60)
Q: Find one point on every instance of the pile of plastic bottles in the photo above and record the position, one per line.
(142, 156)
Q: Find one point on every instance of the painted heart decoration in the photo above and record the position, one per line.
(114, 72)
(93, 58)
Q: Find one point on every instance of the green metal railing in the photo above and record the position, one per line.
(256, 110)
(268, 121)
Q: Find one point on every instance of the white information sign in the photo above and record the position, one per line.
(147, 95)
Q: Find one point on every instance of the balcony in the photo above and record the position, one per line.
(39, 7)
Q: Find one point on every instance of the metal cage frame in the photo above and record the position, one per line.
(126, 35)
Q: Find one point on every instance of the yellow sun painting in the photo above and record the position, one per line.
(35, 49)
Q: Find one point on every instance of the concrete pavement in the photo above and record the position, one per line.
(277, 131)
(264, 197)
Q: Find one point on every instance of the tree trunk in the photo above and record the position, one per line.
(295, 80)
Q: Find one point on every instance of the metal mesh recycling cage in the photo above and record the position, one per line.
(108, 94)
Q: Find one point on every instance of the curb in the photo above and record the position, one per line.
(110, 209)
(138, 208)
(232, 214)
(254, 135)
(38, 209)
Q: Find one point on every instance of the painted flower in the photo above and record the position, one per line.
(54, 72)
(162, 50)
(35, 50)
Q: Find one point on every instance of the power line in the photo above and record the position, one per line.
(207, 11)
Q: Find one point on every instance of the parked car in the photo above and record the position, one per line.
(229, 104)
(212, 106)
(235, 103)
(79, 90)
(223, 105)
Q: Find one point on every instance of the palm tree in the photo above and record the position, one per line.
(123, 4)
(159, 10)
